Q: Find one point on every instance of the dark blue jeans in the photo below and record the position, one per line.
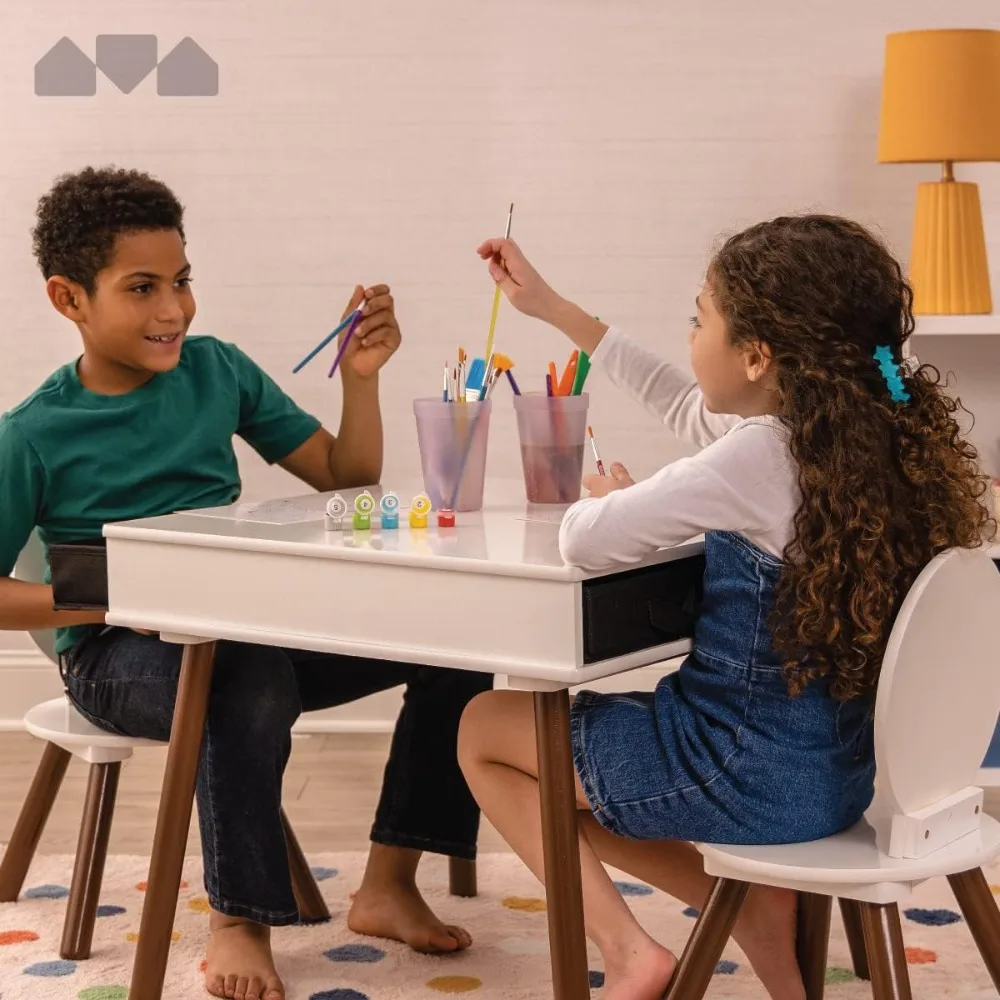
(126, 683)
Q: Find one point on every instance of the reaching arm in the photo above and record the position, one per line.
(354, 456)
(666, 391)
(744, 482)
(25, 606)
(28, 606)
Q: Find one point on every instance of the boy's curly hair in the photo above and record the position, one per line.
(84, 213)
(885, 486)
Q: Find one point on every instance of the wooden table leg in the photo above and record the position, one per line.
(172, 822)
(560, 833)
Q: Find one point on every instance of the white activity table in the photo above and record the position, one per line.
(490, 594)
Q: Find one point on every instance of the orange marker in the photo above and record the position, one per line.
(569, 375)
(553, 376)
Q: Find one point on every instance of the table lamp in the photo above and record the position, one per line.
(941, 104)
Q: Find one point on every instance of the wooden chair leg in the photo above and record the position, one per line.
(981, 914)
(91, 853)
(309, 900)
(812, 941)
(704, 947)
(886, 957)
(850, 910)
(31, 821)
(462, 877)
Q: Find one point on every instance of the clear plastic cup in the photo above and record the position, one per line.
(553, 433)
(453, 439)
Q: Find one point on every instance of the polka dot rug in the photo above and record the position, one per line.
(508, 959)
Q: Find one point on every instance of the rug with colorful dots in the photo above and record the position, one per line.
(508, 960)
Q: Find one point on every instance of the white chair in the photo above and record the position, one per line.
(936, 709)
(68, 734)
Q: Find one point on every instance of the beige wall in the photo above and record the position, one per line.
(380, 141)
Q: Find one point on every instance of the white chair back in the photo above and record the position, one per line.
(31, 568)
(939, 694)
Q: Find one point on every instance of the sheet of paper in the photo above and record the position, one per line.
(543, 517)
(290, 510)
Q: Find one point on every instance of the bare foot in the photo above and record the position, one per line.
(240, 965)
(766, 932)
(641, 973)
(401, 914)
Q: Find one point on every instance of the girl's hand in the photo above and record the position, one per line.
(376, 337)
(518, 280)
(601, 486)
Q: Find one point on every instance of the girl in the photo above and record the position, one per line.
(826, 482)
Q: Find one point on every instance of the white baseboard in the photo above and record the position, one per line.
(27, 678)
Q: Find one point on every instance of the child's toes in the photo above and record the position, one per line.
(230, 987)
(254, 988)
(273, 990)
(461, 935)
(216, 986)
(241, 988)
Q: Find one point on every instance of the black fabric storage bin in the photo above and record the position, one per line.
(641, 608)
(79, 575)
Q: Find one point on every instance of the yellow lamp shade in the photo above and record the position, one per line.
(940, 97)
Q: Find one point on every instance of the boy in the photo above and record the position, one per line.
(142, 424)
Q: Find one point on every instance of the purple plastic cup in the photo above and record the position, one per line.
(553, 433)
(453, 439)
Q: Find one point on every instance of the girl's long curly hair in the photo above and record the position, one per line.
(885, 486)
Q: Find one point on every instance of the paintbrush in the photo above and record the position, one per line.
(496, 293)
(347, 340)
(504, 364)
(597, 455)
(347, 320)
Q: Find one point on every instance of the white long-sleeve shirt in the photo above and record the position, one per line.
(742, 480)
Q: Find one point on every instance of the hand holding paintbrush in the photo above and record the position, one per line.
(531, 295)
(368, 334)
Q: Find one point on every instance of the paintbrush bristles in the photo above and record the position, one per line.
(502, 362)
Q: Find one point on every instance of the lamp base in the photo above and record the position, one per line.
(948, 268)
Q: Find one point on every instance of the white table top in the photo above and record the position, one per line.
(272, 574)
(508, 538)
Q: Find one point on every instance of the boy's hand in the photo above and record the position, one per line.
(601, 486)
(376, 337)
(518, 280)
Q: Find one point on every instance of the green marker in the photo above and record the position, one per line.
(582, 369)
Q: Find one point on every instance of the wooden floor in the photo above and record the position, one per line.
(331, 789)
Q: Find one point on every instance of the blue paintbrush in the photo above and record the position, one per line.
(347, 320)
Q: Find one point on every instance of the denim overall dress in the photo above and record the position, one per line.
(720, 752)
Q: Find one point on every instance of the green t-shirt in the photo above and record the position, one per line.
(72, 460)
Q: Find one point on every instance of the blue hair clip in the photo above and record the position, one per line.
(891, 373)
